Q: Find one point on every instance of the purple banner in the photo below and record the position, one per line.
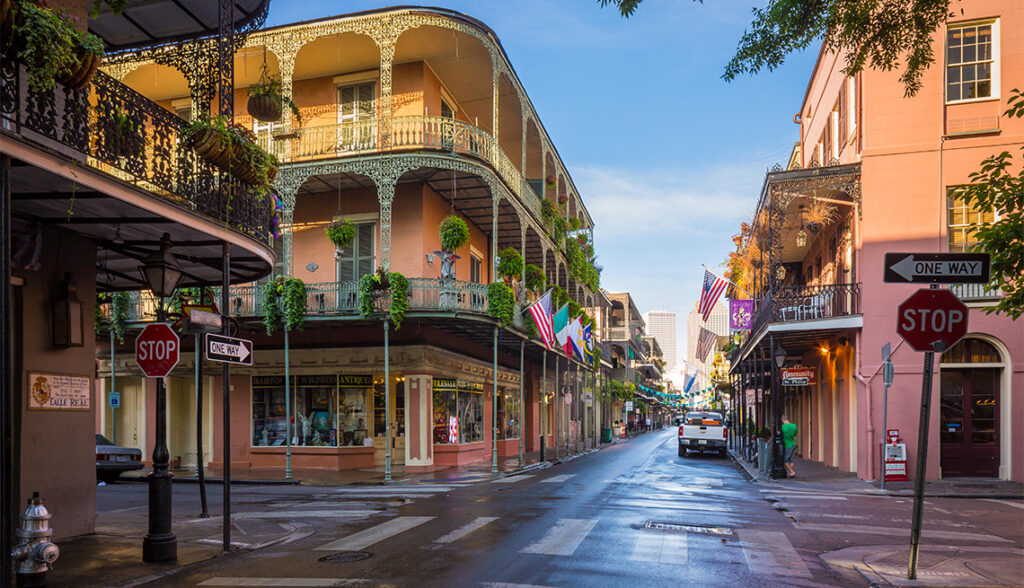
(741, 314)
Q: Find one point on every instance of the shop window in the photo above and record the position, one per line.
(508, 413)
(354, 391)
(458, 411)
(971, 62)
(356, 260)
(315, 402)
(960, 220)
(268, 411)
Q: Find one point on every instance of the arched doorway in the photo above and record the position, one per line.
(970, 379)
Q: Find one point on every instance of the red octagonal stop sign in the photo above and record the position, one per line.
(156, 350)
(932, 320)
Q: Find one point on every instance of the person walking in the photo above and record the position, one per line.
(789, 431)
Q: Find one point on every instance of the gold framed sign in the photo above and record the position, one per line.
(58, 391)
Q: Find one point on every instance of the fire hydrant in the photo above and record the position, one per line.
(34, 554)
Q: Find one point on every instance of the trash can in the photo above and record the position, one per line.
(762, 456)
(606, 435)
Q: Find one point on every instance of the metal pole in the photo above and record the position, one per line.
(200, 473)
(885, 410)
(922, 461)
(288, 409)
(494, 407)
(543, 402)
(558, 400)
(522, 429)
(226, 391)
(113, 387)
(387, 407)
(10, 480)
(160, 543)
(778, 469)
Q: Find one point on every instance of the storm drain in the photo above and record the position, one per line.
(704, 529)
(346, 557)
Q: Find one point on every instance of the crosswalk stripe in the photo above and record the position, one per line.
(1014, 504)
(660, 546)
(898, 532)
(465, 530)
(513, 479)
(563, 538)
(557, 479)
(282, 582)
(305, 514)
(393, 489)
(770, 553)
(368, 537)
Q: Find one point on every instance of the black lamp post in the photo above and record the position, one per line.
(778, 469)
(162, 273)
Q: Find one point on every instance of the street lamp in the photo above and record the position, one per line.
(162, 273)
(778, 469)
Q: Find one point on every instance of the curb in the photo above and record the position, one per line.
(220, 481)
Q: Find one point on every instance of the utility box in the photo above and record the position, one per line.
(894, 457)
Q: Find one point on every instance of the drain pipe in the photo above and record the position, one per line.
(866, 380)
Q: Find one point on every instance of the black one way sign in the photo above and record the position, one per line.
(937, 268)
(228, 349)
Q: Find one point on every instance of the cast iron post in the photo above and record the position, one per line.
(160, 544)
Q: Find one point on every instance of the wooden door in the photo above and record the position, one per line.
(969, 422)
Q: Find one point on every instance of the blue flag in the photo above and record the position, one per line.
(690, 383)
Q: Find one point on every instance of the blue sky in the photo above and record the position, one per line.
(668, 157)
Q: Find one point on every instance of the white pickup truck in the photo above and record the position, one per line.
(702, 431)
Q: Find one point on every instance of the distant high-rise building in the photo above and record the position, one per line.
(718, 323)
(661, 324)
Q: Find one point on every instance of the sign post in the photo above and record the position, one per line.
(930, 320)
(887, 373)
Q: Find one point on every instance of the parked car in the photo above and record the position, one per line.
(702, 431)
(112, 460)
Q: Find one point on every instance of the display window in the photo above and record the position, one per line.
(327, 410)
(268, 411)
(458, 409)
(353, 417)
(508, 413)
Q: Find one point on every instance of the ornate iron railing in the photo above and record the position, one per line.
(802, 303)
(113, 129)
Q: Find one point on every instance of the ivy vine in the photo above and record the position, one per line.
(116, 321)
(500, 302)
(534, 278)
(382, 280)
(284, 304)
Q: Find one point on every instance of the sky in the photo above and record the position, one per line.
(668, 157)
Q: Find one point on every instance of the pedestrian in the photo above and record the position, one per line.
(789, 443)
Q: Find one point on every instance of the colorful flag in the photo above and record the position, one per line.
(541, 313)
(690, 383)
(705, 341)
(576, 338)
(560, 324)
(709, 293)
(741, 314)
(588, 345)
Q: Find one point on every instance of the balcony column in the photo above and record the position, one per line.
(522, 160)
(495, 78)
(494, 235)
(287, 184)
(385, 196)
(419, 439)
(286, 46)
(387, 56)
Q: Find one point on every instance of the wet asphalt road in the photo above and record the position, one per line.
(635, 514)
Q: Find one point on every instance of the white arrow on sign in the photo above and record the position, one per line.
(908, 267)
(241, 352)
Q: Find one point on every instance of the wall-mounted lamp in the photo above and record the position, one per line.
(67, 315)
(780, 357)
(824, 350)
(161, 270)
(801, 237)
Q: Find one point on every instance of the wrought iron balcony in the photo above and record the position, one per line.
(976, 292)
(112, 129)
(804, 303)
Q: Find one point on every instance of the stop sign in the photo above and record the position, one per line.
(156, 350)
(931, 320)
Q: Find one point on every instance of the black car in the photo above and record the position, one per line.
(111, 459)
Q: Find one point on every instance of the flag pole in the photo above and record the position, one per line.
(728, 280)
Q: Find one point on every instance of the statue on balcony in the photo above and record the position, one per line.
(447, 264)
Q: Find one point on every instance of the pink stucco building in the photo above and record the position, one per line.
(882, 169)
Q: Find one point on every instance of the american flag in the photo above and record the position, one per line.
(709, 293)
(541, 313)
(705, 342)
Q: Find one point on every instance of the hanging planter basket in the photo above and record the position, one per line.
(814, 227)
(264, 108)
(79, 77)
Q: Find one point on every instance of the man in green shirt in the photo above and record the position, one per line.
(789, 443)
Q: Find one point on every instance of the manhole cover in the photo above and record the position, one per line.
(705, 529)
(346, 556)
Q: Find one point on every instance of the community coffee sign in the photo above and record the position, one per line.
(57, 392)
(797, 376)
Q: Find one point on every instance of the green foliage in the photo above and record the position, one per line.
(574, 224)
(50, 45)
(284, 304)
(880, 34)
(269, 85)
(399, 298)
(454, 233)
(500, 302)
(246, 156)
(116, 7)
(341, 232)
(117, 314)
(382, 280)
(996, 187)
(548, 211)
(511, 265)
(534, 278)
(180, 295)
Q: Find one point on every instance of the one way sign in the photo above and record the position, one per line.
(937, 268)
(228, 349)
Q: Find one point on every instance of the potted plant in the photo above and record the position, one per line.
(340, 232)
(267, 99)
(46, 41)
(233, 149)
(510, 268)
(819, 214)
(454, 233)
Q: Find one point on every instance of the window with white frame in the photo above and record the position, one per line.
(476, 265)
(971, 61)
(356, 260)
(851, 106)
(356, 111)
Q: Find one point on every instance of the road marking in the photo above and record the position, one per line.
(563, 538)
(368, 537)
(393, 489)
(465, 530)
(557, 479)
(706, 482)
(513, 479)
(1017, 504)
(660, 546)
(802, 495)
(895, 532)
(282, 582)
(507, 585)
(305, 514)
(770, 553)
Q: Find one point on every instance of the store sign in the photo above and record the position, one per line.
(57, 392)
(798, 376)
(350, 381)
(441, 384)
(471, 387)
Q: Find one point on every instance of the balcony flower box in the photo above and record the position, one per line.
(232, 149)
(47, 42)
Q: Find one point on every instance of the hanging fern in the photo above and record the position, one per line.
(341, 232)
(534, 278)
(454, 233)
(284, 304)
(500, 302)
(119, 304)
(511, 265)
(382, 280)
(399, 298)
